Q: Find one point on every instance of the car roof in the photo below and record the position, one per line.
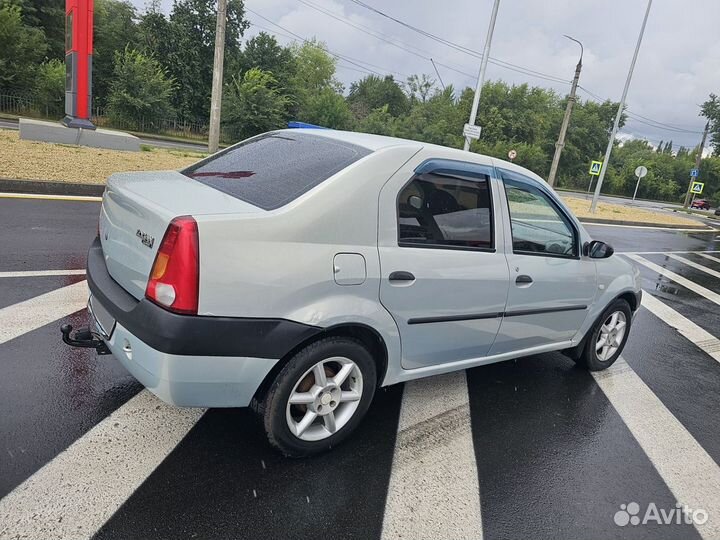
(378, 142)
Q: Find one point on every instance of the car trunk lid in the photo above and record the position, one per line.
(136, 211)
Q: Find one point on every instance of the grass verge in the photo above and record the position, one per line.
(618, 212)
(28, 160)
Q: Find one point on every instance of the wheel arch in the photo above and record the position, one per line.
(366, 334)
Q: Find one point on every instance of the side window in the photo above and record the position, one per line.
(538, 226)
(445, 210)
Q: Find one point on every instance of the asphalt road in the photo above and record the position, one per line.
(531, 448)
(161, 143)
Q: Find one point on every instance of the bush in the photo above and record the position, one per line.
(50, 87)
(140, 90)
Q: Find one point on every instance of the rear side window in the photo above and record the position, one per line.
(445, 211)
(272, 170)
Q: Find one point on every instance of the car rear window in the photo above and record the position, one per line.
(271, 170)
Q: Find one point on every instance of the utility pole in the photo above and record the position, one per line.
(698, 158)
(560, 144)
(483, 67)
(616, 125)
(217, 81)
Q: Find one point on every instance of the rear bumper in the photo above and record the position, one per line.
(190, 381)
(192, 361)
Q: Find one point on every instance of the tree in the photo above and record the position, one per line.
(711, 110)
(327, 108)
(45, 15)
(115, 29)
(253, 104)
(140, 90)
(50, 87)
(21, 50)
(263, 52)
(418, 88)
(189, 54)
(373, 92)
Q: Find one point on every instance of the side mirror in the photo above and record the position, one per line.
(597, 250)
(415, 201)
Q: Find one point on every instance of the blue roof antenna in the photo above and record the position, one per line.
(303, 125)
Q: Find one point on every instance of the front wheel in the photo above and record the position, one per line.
(319, 397)
(607, 337)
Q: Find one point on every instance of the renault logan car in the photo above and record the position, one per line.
(300, 270)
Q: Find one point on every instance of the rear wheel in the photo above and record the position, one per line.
(319, 397)
(607, 337)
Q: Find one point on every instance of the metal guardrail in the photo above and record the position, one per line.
(177, 127)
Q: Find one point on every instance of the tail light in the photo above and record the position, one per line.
(175, 275)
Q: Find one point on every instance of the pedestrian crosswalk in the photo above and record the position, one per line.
(437, 485)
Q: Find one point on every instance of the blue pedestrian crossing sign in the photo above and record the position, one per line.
(697, 188)
(595, 167)
(694, 173)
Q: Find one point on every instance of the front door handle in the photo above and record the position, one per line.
(523, 280)
(401, 276)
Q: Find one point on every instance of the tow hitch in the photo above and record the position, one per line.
(85, 338)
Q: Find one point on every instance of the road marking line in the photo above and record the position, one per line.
(706, 229)
(75, 494)
(661, 252)
(687, 469)
(702, 291)
(434, 488)
(42, 273)
(716, 259)
(688, 329)
(695, 265)
(29, 315)
(81, 198)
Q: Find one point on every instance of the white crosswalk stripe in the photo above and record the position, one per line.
(710, 257)
(677, 278)
(699, 336)
(695, 265)
(687, 469)
(24, 317)
(77, 492)
(434, 490)
(42, 273)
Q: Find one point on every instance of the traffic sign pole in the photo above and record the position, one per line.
(696, 170)
(640, 172)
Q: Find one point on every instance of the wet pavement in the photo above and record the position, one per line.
(552, 451)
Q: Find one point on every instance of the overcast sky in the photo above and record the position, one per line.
(678, 66)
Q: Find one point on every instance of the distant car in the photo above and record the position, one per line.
(302, 269)
(700, 204)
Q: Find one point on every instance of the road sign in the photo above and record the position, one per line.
(512, 154)
(697, 188)
(640, 172)
(472, 131)
(694, 173)
(595, 167)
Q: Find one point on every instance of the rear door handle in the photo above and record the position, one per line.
(523, 280)
(401, 276)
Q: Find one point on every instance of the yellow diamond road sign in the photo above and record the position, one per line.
(595, 167)
(697, 188)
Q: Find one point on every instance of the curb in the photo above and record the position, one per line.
(44, 187)
(600, 221)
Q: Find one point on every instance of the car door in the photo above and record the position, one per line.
(551, 284)
(444, 278)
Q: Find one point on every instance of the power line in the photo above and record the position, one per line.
(463, 49)
(336, 55)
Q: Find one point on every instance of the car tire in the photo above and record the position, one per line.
(606, 341)
(291, 427)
